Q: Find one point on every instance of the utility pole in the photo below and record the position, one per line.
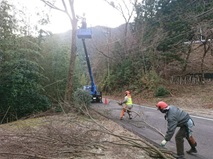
(108, 36)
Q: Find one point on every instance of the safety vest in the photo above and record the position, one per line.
(129, 101)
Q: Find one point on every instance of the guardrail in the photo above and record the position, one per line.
(191, 78)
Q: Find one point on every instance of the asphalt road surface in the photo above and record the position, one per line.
(202, 131)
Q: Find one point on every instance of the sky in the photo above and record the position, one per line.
(97, 12)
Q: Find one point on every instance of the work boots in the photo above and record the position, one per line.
(193, 144)
(192, 150)
(178, 156)
(129, 113)
(130, 116)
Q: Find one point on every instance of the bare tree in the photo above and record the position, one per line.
(207, 45)
(127, 13)
(68, 9)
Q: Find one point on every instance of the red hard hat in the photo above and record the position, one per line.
(161, 105)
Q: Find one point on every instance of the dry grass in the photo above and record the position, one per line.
(196, 99)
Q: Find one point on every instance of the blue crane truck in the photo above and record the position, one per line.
(84, 33)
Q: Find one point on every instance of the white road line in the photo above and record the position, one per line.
(198, 117)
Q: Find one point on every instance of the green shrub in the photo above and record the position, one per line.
(150, 80)
(21, 93)
(161, 91)
(82, 99)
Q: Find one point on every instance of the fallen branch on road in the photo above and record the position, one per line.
(129, 141)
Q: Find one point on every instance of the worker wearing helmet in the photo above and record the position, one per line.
(127, 105)
(178, 118)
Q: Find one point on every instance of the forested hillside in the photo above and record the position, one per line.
(169, 42)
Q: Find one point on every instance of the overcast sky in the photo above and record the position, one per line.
(97, 12)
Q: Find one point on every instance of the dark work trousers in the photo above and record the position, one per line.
(179, 139)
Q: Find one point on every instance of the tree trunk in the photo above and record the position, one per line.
(69, 89)
(187, 58)
(206, 49)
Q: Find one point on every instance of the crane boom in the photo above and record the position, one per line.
(93, 87)
(84, 33)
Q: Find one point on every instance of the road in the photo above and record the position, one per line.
(202, 131)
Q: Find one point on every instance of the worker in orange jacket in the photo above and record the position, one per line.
(127, 105)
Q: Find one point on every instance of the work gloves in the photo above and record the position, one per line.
(163, 143)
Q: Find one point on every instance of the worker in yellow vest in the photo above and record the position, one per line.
(127, 105)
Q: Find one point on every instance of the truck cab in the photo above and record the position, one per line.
(96, 96)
